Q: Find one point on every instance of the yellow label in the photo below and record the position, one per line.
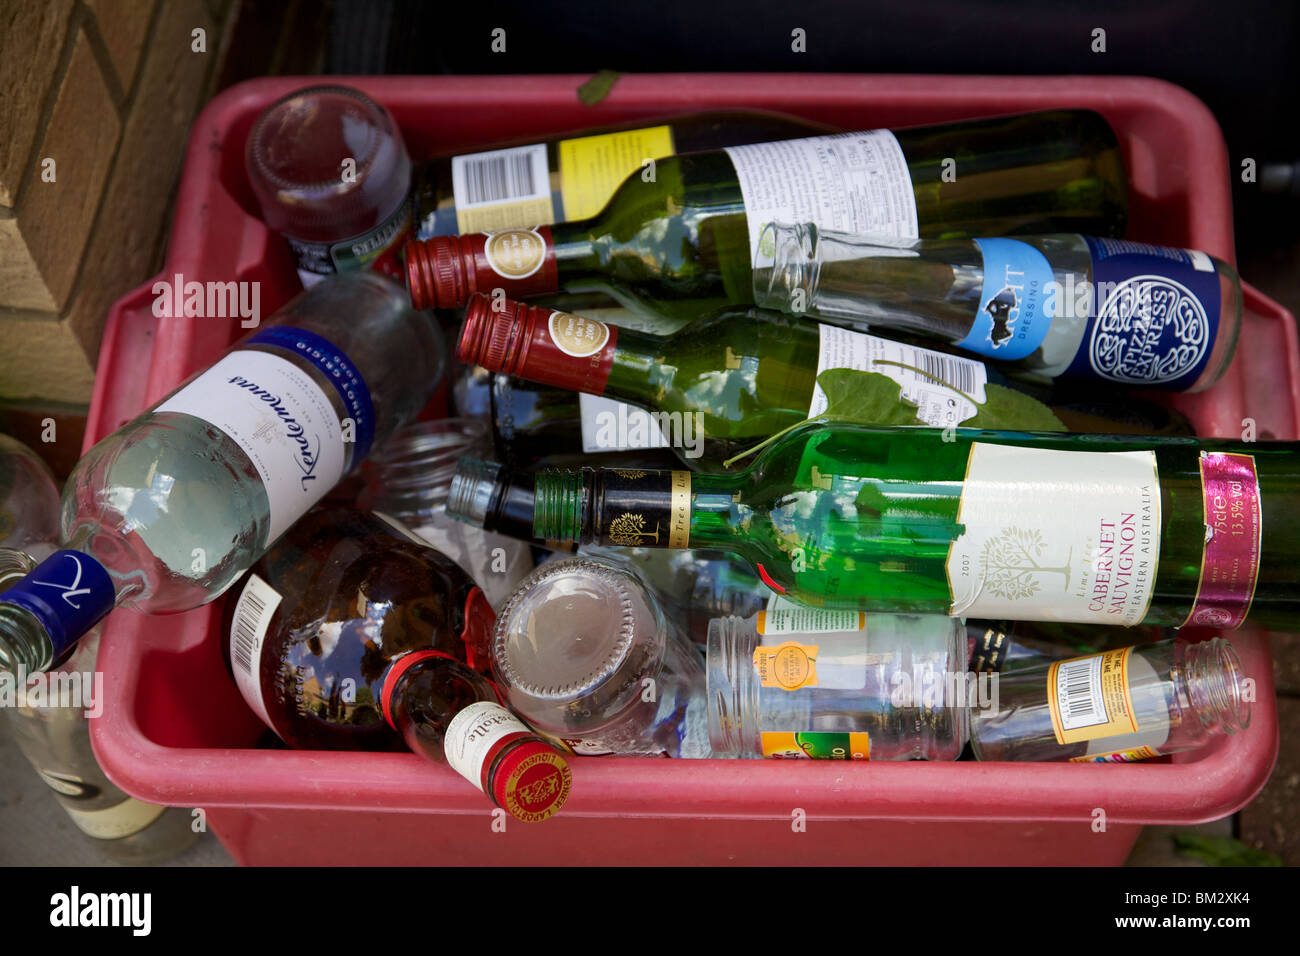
(679, 513)
(593, 167)
(816, 745)
(1089, 697)
(1118, 756)
(516, 214)
(577, 335)
(788, 666)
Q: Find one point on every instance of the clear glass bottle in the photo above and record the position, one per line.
(332, 175)
(1057, 306)
(796, 682)
(168, 511)
(584, 653)
(409, 479)
(52, 728)
(1122, 705)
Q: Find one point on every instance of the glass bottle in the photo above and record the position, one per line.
(584, 653)
(51, 730)
(1122, 705)
(1104, 529)
(796, 682)
(521, 185)
(1058, 306)
(351, 634)
(998, 646)
(680, 242)
(731, 379)
(409, 480)
(168, 511)
(331, 174)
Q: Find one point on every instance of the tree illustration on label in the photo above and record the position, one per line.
(999, 309)
(1010, 565)
(629, 530)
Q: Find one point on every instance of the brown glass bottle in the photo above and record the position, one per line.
(350, 634)
(338, 600)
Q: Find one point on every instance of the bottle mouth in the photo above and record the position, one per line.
(725, 689)
(411, 477)
(558, 505)
(1215, 681)
(785, 266)
(473, 488)
(496, 339)
(435, 273)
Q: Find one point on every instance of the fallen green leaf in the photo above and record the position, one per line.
(870, 398)
(597, 88)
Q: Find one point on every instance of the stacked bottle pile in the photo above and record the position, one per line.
(795, 537)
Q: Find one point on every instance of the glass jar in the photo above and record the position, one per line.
(800, 682)
(584, 653)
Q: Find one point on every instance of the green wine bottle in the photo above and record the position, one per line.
(1058, 306)
(732, 378)
(525, 184)
(678, 237)
(997, 525)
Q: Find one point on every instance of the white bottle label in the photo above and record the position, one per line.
(805, 646)
(253, 612)
(471, 735)
(914, 369)
(850, 182)
(502, 189)
(783, 616)
(1056, 535)
(609, 425)
(281, 419)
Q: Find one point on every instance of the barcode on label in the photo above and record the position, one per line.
(252, 617)
(503, 175)
(1079, 692)
(959, 373)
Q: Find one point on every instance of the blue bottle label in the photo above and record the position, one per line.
(335, 366)
(1155, 315)
(69, 592)
(1015, 304)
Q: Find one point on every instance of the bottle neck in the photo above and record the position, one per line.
(928, 287)
(452, 715)
(488, 496)
(561, 350)
(732, 690)
(640, 509)
(1212, 679)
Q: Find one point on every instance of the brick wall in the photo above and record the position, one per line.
(96, 100)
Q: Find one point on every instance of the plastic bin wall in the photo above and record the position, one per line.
(175, 731)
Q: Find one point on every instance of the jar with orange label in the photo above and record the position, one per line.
(803, 682)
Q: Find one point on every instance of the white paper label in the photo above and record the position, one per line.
(500, 175)
(608, 425)
(283, 421)
(936, 405)
(1056, 535)
(835, 641)
(786, 617)
(253, 612)
(471, 735)
(850, 182)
